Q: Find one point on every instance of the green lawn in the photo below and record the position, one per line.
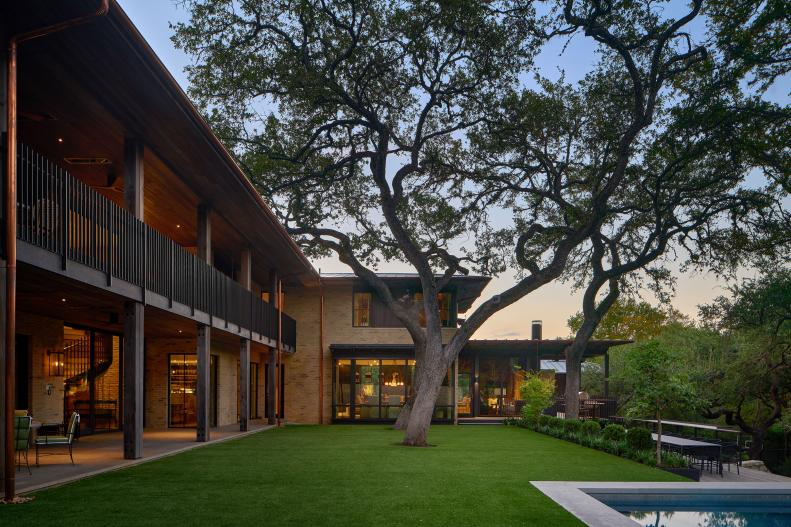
(338, 475)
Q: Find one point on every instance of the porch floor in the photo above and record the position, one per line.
(102, 452)
(745, 475)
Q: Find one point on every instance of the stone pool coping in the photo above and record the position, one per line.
(574, 496)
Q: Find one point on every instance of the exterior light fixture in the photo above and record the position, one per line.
(178, 225)
(62, 299)
(60, 139)
(56, 363)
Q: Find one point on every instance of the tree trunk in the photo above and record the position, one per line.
(658, 439)
(429, 381)
(756, 449)
(403, 415)
(573, 367)
(421, 414)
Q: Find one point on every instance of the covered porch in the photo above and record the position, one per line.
(103, 452)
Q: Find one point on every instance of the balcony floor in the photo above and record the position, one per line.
(102, 452)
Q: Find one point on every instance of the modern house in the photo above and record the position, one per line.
(147, 267)
(145, 282)
(354, 360)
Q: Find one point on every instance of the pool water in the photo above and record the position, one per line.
(703, 508)
(667, 518)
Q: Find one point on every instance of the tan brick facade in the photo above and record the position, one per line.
(46, 335)
(302, 369)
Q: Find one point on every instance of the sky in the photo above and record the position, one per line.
(554, 303)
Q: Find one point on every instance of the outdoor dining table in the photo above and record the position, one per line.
(683, 445)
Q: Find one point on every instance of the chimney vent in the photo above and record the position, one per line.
(536, 330)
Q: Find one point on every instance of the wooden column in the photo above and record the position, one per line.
(203, 347)
(134, 364)
(4, 404)
(455, 373)
(244, 384)
(134, 315)
(244, 350)
(133, 177)
(203, 383)
(204, 233)
(271, 374)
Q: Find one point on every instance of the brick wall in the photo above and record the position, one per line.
(158, 351)
(46, 334)
(302, 368)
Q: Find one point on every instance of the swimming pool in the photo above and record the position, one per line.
(721, 508)
(609, 504)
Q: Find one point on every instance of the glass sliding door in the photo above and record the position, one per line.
(92, 378)
(465, 394)
(342, 389)
(254, 391)
(393, 388)
(366, 391)
(499, 381)
(183, 378)
(376, 389)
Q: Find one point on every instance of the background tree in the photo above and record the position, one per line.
(658, 385)
(749, 378)
(691, 156)
(631, 319)
(627, 319)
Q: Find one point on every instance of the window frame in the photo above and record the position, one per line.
(355, 309)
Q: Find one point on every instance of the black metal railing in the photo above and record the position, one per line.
(63, 215)
(591, 408)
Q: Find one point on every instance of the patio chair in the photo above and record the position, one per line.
(731, 453)
(64, 440)
(22, 439)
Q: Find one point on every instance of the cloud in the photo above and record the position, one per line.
(509, 334)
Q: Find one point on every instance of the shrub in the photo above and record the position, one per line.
(537, 392)
(590, 428)
(545, 420)
(617, 448)
(614, 433)
(646, 457)
(572, 426)
(674, 460)
(639, 439)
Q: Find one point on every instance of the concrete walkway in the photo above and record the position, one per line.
(745, 475)
(103, 452)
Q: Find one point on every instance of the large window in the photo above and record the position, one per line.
(362, 309)
(375, 390)
(445, 301)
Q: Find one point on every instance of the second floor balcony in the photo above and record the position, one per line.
(65, 226)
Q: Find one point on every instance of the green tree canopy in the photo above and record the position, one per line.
(631, 319)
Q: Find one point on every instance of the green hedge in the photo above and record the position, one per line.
(590, 428)
(639, 439)
(614, 433)
(614, 439)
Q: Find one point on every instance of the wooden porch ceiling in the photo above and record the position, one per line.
(83, 90)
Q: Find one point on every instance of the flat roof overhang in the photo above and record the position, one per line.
(546, 349)
(113, 64)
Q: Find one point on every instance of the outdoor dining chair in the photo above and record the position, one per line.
(64, 440)
(22, 439)
(731, 453)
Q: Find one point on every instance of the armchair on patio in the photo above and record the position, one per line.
(22, 439)
(65, 440)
